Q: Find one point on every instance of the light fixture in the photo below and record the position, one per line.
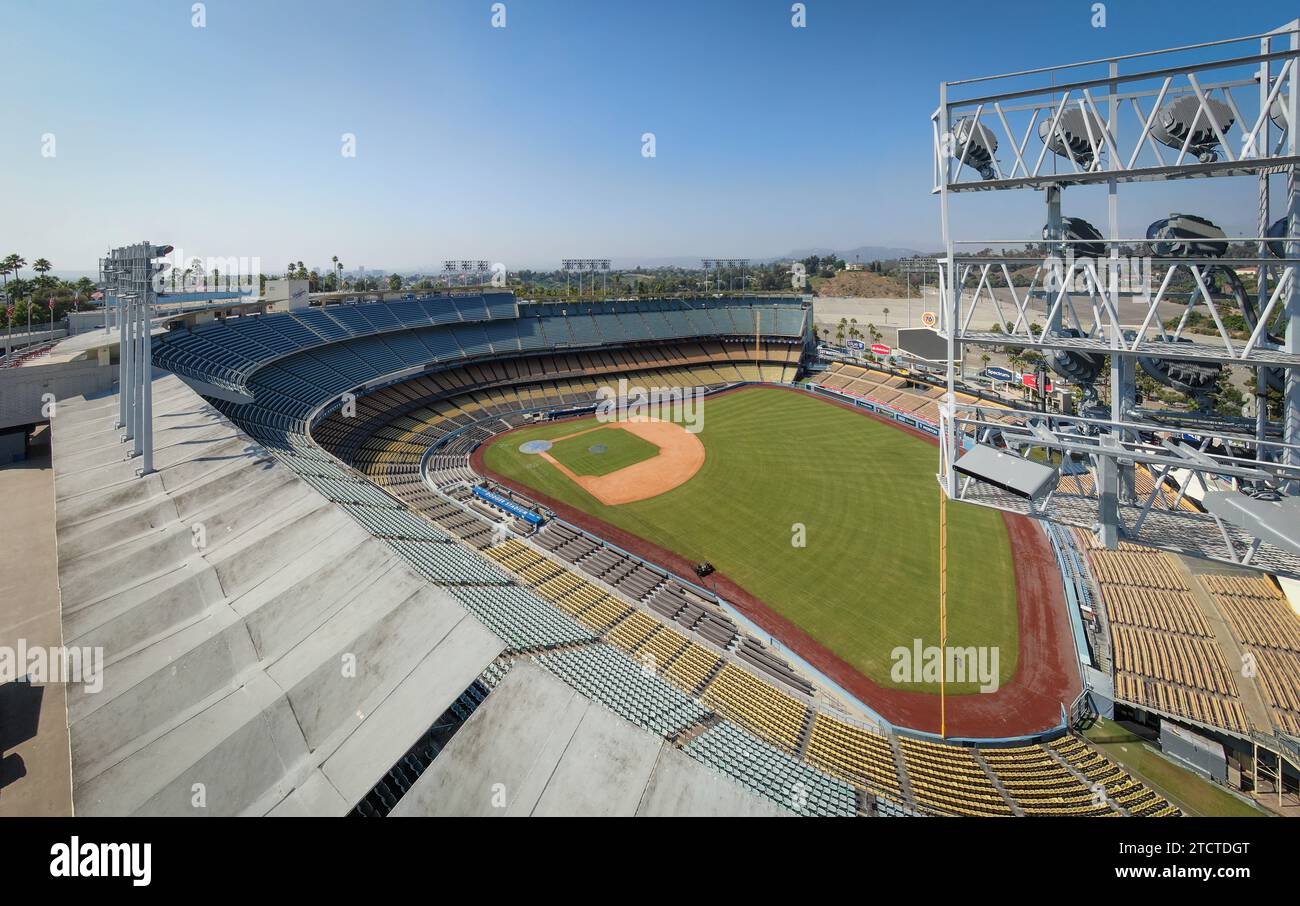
(974, 145)
(1078, 135)
(1185, 116)
(1186, 236)
(1014, 474)
(1086, 239)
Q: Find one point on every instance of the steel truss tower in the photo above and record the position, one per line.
(127, 276)
(1214, 110)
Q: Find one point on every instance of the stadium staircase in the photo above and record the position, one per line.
(997, 784)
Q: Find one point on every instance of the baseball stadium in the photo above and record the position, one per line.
(489, 546)
(432, 485)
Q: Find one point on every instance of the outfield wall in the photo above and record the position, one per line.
(902, 416)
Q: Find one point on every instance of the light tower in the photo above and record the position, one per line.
(129, 275)
(591, 266)
(1100, 303)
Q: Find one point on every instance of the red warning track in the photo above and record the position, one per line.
(1047, 675)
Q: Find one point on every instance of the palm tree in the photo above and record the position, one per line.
(886, 313)
(16, 263)
(4, 272)
(42, 266)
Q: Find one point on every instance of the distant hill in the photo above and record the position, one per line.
(863, 253)
(861, 284)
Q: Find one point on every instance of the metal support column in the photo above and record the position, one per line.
(127, 386)
(121, 361)
(1291, 410)
(146, 382)
(1262, 143)
(1055, 233)
(138, 366)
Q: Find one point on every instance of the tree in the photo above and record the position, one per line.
(885, 311)
(19, 288)
(394, 281)
(15, 263)
(42, 267)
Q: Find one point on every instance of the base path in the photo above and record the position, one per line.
(1047, 672)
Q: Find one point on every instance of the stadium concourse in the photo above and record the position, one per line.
(314, 605)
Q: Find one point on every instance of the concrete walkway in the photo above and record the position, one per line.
(35, 766)
(1252, 699)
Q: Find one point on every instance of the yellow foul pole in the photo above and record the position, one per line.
(943, 613)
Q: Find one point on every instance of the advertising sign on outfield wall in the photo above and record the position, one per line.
(998, 374)
(857, 344)
(881, 349)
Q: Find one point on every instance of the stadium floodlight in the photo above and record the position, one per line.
(1003, 469)
(974, 144)
(1084, 238)
(1189, 236)
(582, 266)
(1079, 136)
(1184, 122)
(720, 264)
(1277, 111)
(1186, 236)
(1275, 521)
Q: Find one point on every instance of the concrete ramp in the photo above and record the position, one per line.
(262, 652)
(538, 747)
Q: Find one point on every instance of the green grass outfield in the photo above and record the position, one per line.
(624, 449)
(867, 579)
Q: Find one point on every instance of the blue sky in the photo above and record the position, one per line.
(520, 144)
